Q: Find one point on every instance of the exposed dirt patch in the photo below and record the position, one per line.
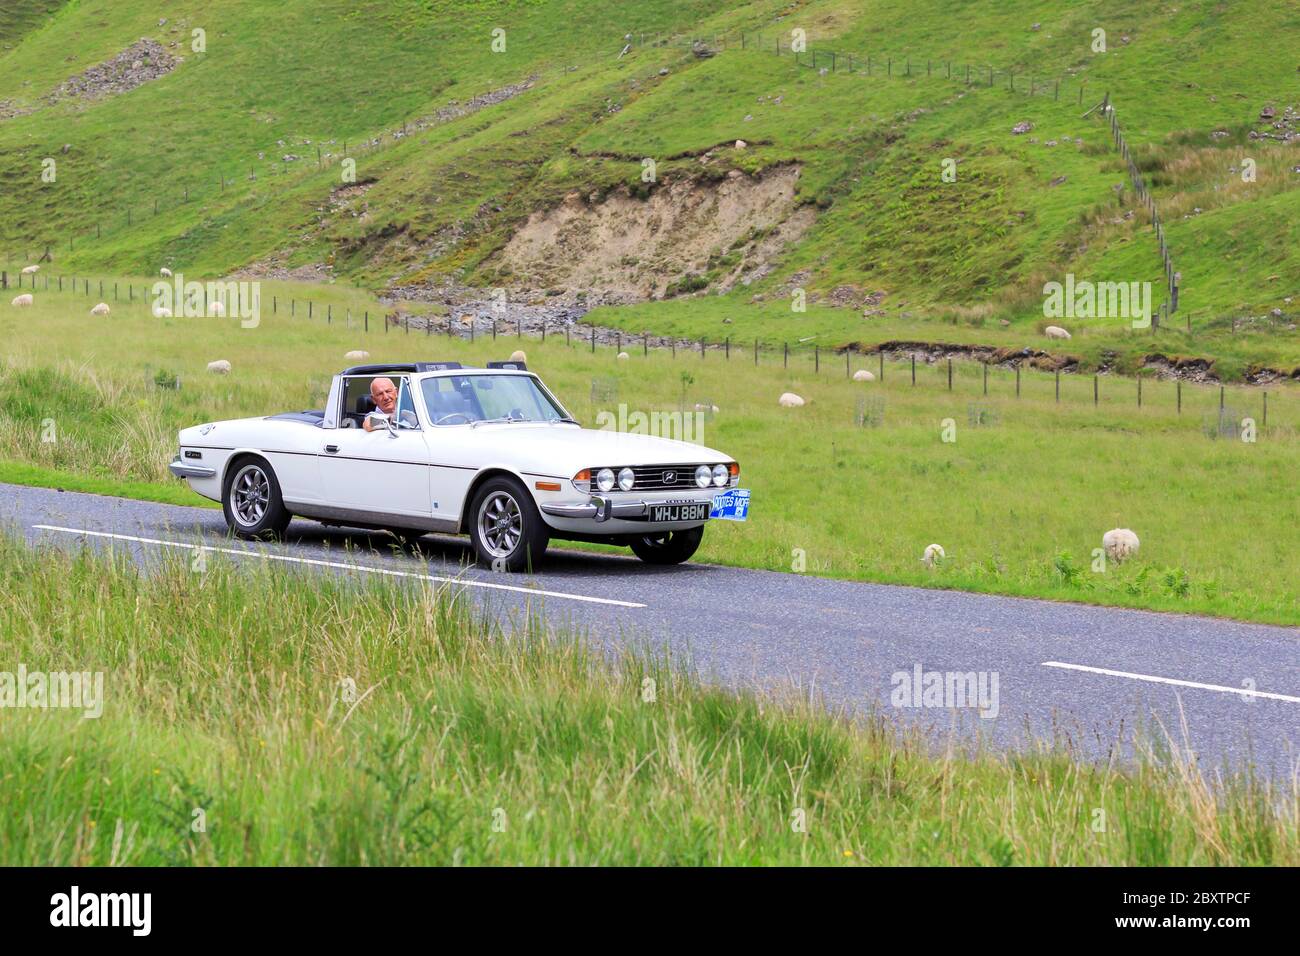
(687, 236)
(273, 267)
(139, 63)
(1187, 368)
(456, 109)
(932, 352)
(9, 109)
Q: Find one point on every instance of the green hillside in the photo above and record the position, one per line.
(488, 167)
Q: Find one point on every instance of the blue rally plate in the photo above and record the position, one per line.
(731, 505)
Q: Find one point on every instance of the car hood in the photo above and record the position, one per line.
(570, 448)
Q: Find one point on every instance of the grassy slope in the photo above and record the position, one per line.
(458, 744)
(976, 250)
(1019, 506)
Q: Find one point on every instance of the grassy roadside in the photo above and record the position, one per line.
(33, 476)
(854, 485)
(395, 727)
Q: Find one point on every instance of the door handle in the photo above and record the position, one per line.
(332, 449)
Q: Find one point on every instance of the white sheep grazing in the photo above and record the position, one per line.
(162, 312)
(216, 309)
(219, 367)
(934, 554)
(518, 356)
(790, 400)
(1056, 332)
(622, 356)
(30, 270)
(101, 309)
(1120, 543)
(164, 271)
(23, 300)
(356, 355)
(862, 375)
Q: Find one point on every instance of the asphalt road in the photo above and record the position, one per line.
(1227, 691)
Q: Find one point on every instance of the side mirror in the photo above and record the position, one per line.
(391, 425)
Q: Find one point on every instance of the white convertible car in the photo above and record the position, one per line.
(486, 452)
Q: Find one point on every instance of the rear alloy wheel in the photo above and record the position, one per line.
(252, 502)
(506, 527)
(668, 547)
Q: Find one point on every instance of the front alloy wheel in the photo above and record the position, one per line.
(507, 529)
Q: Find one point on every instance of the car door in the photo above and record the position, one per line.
(379, 472)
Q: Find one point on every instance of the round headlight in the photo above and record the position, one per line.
(605, 479)
(720, 475)
(626, 479)
(703, 475)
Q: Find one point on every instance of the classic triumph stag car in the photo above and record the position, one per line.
(486, 452)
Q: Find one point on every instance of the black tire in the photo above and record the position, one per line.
(668, 547)
(506, 528)
(251, 500)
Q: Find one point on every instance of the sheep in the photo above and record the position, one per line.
(934, 554)
(862, 375)
(164, 271)
(790, 400)
(23, 300)
(1120, 543)
(219, 367)
(623, 356)
(357, 355)
(162, 312)
(518, 356)
(30, 270)
(101, 309)
(216, 309)
(1056, 332)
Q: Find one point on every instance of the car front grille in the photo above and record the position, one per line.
(653, 478)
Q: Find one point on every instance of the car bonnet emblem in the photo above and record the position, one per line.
(670, 477)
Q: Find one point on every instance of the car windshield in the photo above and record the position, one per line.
(461, 399)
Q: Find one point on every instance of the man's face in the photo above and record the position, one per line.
(384, 393)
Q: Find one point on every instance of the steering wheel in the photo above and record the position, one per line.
(444, 419)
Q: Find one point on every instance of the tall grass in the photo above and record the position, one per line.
(260, 716)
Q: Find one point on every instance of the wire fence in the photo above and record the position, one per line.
(882, 65)
(973, 370)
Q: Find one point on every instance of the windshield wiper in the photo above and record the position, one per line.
(489, 421)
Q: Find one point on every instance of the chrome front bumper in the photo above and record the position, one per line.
(182, 470)
(603, 509)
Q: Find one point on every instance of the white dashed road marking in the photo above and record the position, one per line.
(1174, 681)
(343, 565)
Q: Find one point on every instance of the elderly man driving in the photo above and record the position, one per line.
(384, 394)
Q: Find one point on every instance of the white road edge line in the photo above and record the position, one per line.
(244, 552)
(1171, 680)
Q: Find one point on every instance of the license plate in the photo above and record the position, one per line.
(687, 512)
(731, 505)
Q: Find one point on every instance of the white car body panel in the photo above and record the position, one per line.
(422, 478)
